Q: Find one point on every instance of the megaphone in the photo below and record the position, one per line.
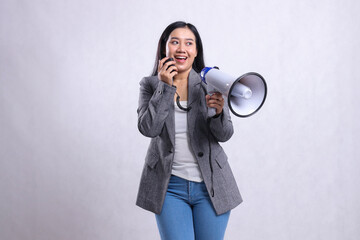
(245, 94)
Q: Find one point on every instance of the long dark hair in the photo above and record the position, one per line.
(198, 64)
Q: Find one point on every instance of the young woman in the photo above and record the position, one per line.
(186, 181)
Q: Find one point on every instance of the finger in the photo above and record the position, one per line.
(173, 74)
(161, 63)
(207, 98)
(220, 100)
(217, 96)
(168, 64)
(215, 101)
(172, 69)
(215, 105)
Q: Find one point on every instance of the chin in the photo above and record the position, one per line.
(183, 69)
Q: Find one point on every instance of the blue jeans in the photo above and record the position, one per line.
(188, 214)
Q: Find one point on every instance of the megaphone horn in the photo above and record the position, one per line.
(245, 94)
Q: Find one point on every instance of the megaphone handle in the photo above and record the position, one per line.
(211, 111)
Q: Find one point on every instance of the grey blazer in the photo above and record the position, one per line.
(156, 120)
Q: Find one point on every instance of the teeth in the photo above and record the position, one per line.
(181, 57)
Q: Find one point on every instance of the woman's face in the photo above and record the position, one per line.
(181, 46)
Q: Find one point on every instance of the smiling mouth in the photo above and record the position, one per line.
(181, 58)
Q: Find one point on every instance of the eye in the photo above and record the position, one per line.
(189, 43)
(174, 42)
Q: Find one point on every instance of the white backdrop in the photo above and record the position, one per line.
(70, 152)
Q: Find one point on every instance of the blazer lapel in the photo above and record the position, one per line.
(194, 87)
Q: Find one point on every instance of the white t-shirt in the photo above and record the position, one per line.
(185, 164)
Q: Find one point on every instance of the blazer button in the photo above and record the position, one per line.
(200, 154)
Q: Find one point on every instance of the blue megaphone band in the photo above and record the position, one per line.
(203, 73)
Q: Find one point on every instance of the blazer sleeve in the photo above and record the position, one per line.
(221, 126)
(154, 106)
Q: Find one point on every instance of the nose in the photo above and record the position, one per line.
(181, 48)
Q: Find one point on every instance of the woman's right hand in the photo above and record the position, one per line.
(165, 71)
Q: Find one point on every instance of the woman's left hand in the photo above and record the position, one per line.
(216, 101)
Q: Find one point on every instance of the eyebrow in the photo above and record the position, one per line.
(189, 39)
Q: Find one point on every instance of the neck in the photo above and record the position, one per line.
(183, 76)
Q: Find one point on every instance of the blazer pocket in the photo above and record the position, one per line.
(151, 159)
(221, 159)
